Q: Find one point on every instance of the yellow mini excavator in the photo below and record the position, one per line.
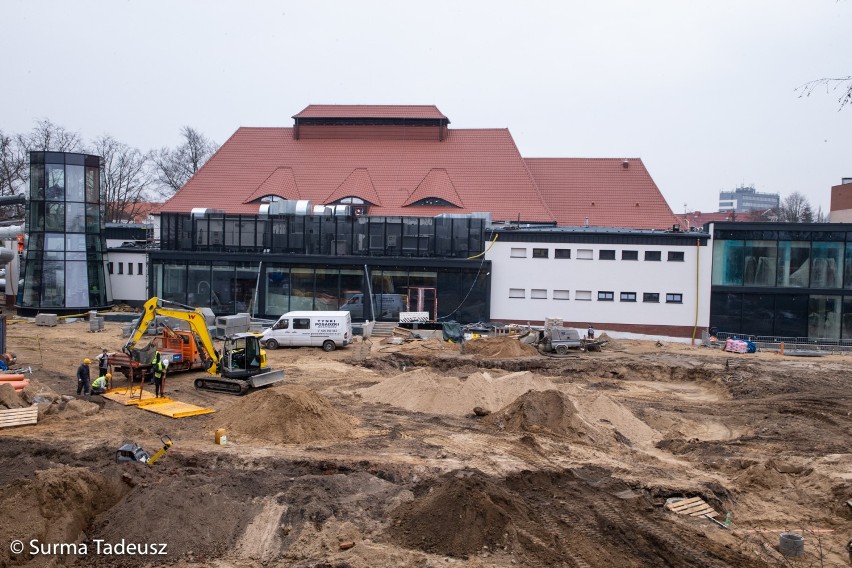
(241, 365)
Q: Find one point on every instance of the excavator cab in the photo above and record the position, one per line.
(242, 356)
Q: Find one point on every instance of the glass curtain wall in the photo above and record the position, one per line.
(64, 262)
(230, 288)
(817, 261)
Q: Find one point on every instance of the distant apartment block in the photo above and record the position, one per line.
(841, 202)
(746, 198)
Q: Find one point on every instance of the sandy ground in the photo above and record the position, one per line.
(372, 456)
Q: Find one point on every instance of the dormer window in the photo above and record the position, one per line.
(433, 202)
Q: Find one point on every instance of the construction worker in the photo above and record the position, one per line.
(103, 363)
(157, 368)
(590, 333)
(83, 377)
(101, 384)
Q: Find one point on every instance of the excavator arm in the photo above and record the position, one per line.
(192, 316)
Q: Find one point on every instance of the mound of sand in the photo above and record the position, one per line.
(425, 391)
(56, 506)
(606, 413)
(549, 411)
(288, 414)
(460, 516)
(498, 348)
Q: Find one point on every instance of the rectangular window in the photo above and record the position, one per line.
(561, 295)
(583, 295)
(109, 268)
(674, 298)
(606, 296)
(628, 297)
(651, 297)
(653, 255)
(121, 268)
(138, 268)
(130, 268)
(606, 255)
(584, 254)
(562, 253)
(675, 256)
(517, 293)
(540, 253)
(630, 255)
(537, 294)
(519, 253)
(301, 323)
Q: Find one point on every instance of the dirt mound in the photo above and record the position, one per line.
(605, 412)
(498, 348)
(56, 506)
(549, 411)
(464, 513)
(424, 390)
(192, 513)
(287, 414)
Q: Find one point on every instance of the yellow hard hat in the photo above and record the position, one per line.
(87, 361)
(108, 375)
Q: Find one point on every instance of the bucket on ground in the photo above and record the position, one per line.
(221, 438)
(791, 544)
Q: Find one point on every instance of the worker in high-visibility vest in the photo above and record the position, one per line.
(158, 370)
(101, 384)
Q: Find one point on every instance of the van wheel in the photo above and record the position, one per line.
(562, 349)
(328, 345)
(271, 344)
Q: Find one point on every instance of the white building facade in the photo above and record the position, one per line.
(643, 282)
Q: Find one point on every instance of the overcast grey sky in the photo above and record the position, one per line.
(702, 91)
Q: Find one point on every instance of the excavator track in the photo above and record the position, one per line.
(219, 384)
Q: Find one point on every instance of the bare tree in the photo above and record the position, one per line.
(124, 179)
(795, 208)
(174, 167)
(13, 174)
(831, 85)
(49, 137)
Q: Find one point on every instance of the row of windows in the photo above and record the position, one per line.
(120, 266)
(603, 295)
(603, 254)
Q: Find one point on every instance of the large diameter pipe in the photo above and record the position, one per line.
(11, 231)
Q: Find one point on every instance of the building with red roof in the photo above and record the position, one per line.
(383, 209)
(406, 161)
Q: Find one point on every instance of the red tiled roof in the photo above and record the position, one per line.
(486, 169)
(357, 184)
(436, 184)
(370, 111)
(603, 191)
(280, 182)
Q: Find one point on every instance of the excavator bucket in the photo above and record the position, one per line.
(267, 378)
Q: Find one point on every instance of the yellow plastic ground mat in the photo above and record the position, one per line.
(172, 408)
(122, 395)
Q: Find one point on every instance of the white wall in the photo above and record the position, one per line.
(575, 274)
(126, 286)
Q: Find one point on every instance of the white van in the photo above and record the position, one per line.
(328, 330)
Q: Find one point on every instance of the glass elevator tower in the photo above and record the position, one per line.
(65, 256)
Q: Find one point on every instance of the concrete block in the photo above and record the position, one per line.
(49, 320)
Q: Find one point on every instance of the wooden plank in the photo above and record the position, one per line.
(677, 505)
(693, 507)
(18, 416)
